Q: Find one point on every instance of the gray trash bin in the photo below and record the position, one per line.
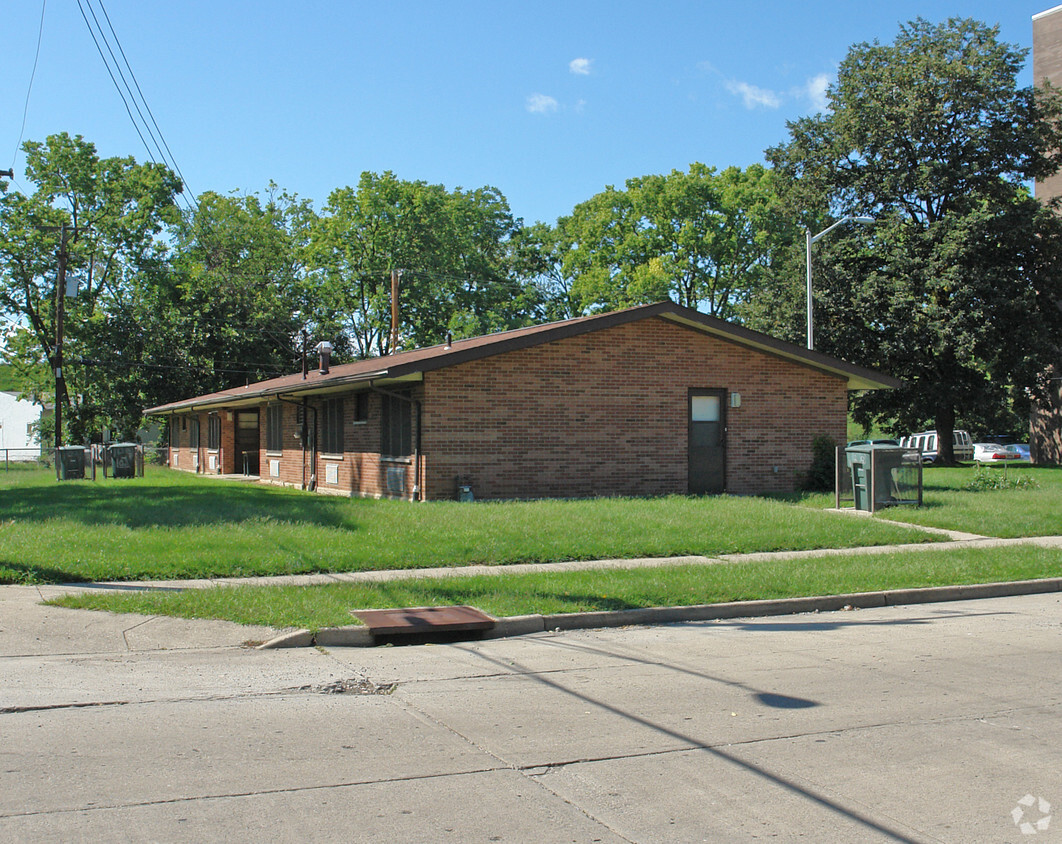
(879, 461)
(122, 457)
(71, 462)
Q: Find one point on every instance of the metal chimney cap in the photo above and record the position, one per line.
(323, 346)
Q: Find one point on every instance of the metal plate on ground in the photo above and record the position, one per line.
(411, 620)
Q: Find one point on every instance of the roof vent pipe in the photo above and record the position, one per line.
(324, 349)
(449, 339)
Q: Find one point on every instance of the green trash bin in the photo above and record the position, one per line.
(883, 459)
(122, 457)
(71, 462)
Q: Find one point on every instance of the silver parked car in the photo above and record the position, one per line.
(988, 454)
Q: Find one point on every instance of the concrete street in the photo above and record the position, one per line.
(933, 722)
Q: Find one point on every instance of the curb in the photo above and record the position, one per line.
(522, 625)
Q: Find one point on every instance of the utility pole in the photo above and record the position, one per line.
(7, 174)
(60, 314)
(396, 278)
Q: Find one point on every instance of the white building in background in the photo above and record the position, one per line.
(18, 420)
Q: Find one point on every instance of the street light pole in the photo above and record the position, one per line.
(815, 239)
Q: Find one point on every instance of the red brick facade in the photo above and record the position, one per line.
(1046, 424)
(1045, 434)
(606, 414)
(599, 413)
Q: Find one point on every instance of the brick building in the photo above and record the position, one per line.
(1045, 434)
(651, 400)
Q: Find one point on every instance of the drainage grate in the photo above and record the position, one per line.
(418, 621)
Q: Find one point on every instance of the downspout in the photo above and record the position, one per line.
(313, 451)
(416, 456)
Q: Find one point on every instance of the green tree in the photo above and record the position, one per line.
(954, 289)
(463, 261)
(701, 237)
(239, 288)
(116, 212)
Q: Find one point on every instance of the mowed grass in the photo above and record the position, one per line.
(315, 607)
(172, 525)
(1005, 513)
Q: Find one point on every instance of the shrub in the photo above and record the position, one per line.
(821, 477)
(985, 479)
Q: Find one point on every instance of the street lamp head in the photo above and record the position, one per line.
(864, 219)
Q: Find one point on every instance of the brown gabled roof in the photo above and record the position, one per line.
(410, 365)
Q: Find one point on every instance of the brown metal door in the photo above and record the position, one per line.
(707, 441)
(247, 441)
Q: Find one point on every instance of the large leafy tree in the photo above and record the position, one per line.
(462, 257)
(701, 237)
(238, 288)
(225, 309)
(954, 290)
(114, 212)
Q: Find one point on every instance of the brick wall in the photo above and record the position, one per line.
(359, 470)
(1047, 64)
(606, 413)
(1046, 421)
(203, 459)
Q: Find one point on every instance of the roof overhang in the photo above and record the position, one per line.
(252, 396)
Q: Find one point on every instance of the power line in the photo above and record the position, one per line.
(184, 367)
(29, 88)
(147, 107)
(189, 202)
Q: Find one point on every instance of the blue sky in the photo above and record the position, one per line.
(547, 101)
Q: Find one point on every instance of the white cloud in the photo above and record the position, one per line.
(580, 67)
(815, 90)
(754, 96)
(541, 104)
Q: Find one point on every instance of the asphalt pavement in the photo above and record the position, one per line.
(933, 722)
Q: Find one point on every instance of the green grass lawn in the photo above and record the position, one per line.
(171, 525)
(174, 525)
(1035, 511)
(314, 607)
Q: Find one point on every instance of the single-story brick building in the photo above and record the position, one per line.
(651, 400)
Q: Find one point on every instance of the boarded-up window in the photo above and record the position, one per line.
(396, 423)
(332, 427)
(214, 432)
(275, 427)
(361, 407)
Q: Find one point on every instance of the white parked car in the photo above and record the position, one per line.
(927, 441)
(994, 453)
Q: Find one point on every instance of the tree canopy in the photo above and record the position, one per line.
(114, 211)
(459, 254)
(700, 237)
(954, 289)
